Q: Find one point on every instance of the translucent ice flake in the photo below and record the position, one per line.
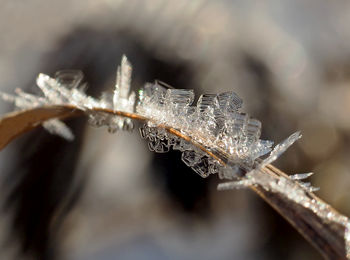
(281, 148)
(229, 102)
(157, 139)
(23, 100)
(261, 148)
(229, 171)
(244, 183)
(207, 102)
(180, 97)
(239, 123)
(69, 78)
(123, 78)
(190, 158)
(52, 90)
(122, 99)
(57, 93)
(98, 119)
(313, 189)
(301, 176)
(202, 167)
(57, 127)
(253, 130)
(155, 93)
(208, 114)
(307, 185)
(28, 100)
(177, 101)
(158, 146)
(200, 162)
(151, 102)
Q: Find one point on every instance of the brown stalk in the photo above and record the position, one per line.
(326, 236)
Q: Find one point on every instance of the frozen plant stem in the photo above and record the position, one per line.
(214, 136)
(325, 231)
(325, 228)
(318, 222)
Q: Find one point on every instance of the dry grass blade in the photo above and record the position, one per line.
(16, 123)
(327, 236)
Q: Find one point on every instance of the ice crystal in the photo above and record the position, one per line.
(123, 100)
(55, 126)
(281, 148)
(301, 176)
(215, 122)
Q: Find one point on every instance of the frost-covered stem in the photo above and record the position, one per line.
(325, 232)
(314, 219)
(214, 136)
(318, 222)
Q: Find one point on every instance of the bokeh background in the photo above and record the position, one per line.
(106, 196)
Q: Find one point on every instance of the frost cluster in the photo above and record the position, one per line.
(215, 122)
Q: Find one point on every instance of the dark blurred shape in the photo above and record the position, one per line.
(188, 191)
(44, 189)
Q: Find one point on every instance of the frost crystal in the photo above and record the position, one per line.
(301, 176)
(55, 126)
(122, 100)
(215, 121)
(281, 148)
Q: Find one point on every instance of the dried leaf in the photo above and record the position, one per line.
(16, 123)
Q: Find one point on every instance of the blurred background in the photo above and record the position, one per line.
(106, 196)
